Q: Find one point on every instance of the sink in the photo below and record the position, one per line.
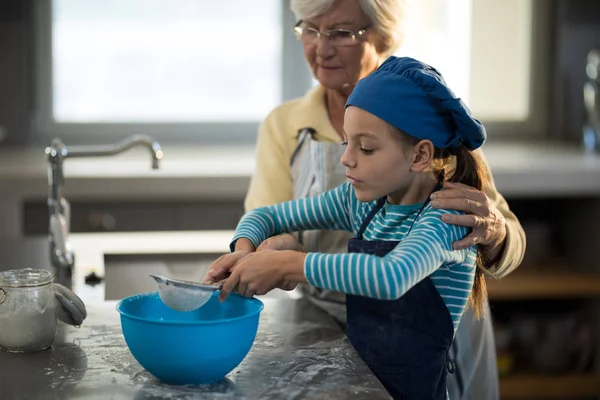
(128, 274)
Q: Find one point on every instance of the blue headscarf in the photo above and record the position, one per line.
(413, 97)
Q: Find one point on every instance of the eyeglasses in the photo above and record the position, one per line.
(337, 37)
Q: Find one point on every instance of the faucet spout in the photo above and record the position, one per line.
(61, 256)
(153, 146)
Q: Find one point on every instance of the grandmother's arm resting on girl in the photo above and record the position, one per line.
(495, 228)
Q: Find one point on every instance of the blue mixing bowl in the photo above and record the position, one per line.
(189, 348)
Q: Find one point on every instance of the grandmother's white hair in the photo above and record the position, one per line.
(387, 17)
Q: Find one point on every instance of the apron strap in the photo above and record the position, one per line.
(302, 134)
(450, 364)
(437, 187)
(378, 206)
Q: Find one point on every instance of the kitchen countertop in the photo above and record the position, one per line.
(520, 169)
(195, 173)
(299, 353)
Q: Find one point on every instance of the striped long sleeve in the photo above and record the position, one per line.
(330, 210)
(425, 252)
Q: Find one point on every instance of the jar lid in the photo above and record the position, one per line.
(26, 277)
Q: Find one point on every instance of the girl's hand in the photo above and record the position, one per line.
(487, 222)
(222, 267)
(260, 272)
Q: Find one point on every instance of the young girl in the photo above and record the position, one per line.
(406, 287)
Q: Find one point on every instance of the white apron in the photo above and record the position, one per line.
(316, 168)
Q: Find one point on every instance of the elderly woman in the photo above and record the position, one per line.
(298, 155)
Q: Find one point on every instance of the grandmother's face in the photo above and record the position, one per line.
(341, 67)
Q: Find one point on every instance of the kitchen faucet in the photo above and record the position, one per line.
(62, 257)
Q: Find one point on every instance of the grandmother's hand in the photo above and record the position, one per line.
(487, 222)
(282, 242)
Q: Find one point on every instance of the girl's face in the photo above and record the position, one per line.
(378, 161)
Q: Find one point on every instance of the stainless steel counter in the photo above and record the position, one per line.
(299, 353)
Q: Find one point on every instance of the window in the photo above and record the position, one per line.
(164, 60)
(210, 71)
(161, 66)
(484, 49)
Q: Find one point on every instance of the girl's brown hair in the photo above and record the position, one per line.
(461, 165)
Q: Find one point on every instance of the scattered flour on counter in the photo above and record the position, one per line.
(224, 389)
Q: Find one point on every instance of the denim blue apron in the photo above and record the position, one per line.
(405, 342)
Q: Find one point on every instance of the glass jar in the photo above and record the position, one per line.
(27, 310)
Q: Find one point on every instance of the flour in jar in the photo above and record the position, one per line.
(27, 319)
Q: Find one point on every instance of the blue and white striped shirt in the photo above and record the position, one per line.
(426, 251)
